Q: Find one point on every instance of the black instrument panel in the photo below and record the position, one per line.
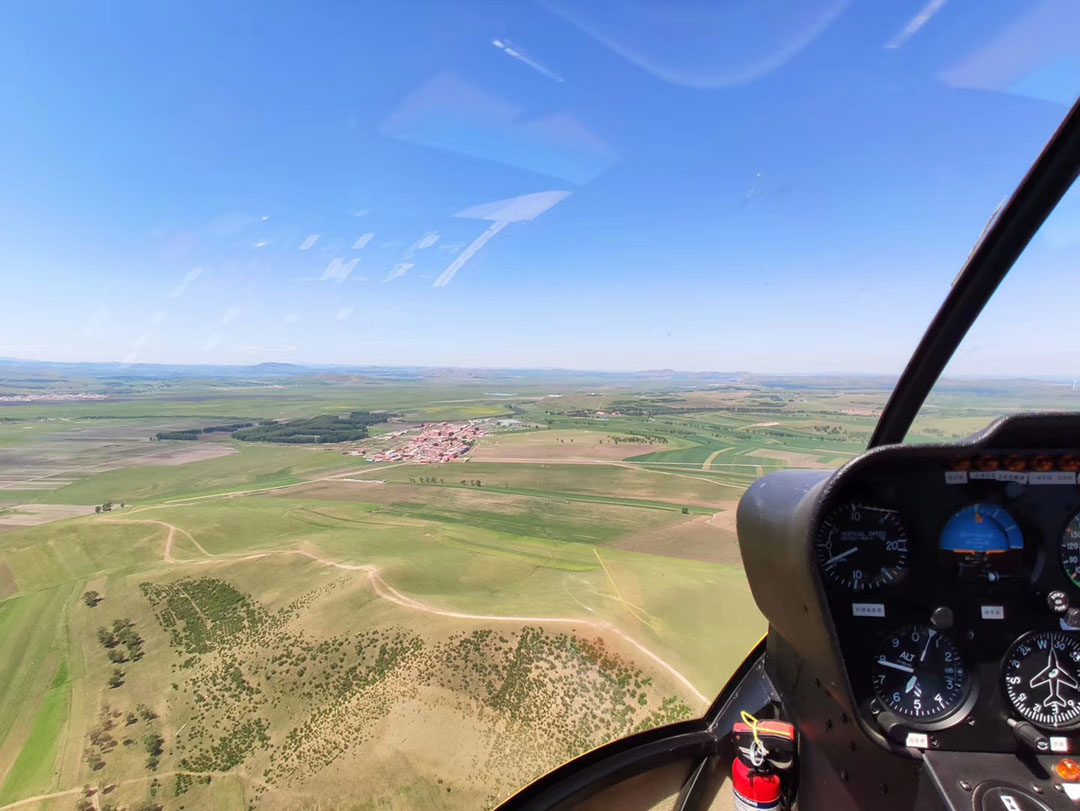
(951, 578)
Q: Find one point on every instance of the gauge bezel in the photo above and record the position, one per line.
(969, 690)
(1058, 546)
(900, 571)
(1071, 726)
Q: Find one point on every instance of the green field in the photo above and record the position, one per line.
(310, 627)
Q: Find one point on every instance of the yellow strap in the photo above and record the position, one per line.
(752, 722)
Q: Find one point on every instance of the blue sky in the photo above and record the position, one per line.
(624, 184)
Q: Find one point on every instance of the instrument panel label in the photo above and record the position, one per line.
(868, 609)
(1059, 744)
(917, 740)
(1010, 476)
(989, 475)
(993, 612)
(956, 477)
(1052, 477)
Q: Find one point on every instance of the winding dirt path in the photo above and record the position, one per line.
(172, 528)
(388, 592)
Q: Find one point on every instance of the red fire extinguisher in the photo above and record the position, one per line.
(753, 790)
(763, 751)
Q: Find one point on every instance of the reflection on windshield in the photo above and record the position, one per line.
(377, 384)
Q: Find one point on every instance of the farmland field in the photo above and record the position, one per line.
(211, 623)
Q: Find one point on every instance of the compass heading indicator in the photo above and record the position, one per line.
(1041, 675)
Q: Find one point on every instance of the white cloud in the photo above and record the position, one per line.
(230, 315)
(344, 313)
(916, 22)
(189, 277)
(364, 240)
(311, 240)
(450, 248)
(394, 243)
(359, 212)
(338, 270)
(398, 270)
(262, 243)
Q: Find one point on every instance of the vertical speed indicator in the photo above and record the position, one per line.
(862, 547)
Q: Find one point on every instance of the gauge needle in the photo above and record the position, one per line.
(896, 665)
(842, 555)
(911, 683)
(929, 637)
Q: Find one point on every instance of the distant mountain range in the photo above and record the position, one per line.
(14, 371)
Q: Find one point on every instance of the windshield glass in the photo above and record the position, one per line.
(1003, 365)
(378, 381)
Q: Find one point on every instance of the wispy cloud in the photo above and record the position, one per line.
(338, 270)
(359, 212)
(212, 341)
(310, 241)
(230, 315)
(290, 318)
(399, 270)
(916, 22)
(158, 317)
(344, 313)
(186, 282)
(450, 248)
(364, 240)
(506, 47)
(393, 243)
(262, 243)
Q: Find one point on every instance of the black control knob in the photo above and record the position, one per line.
(942, 617)
(1029, 736)
(1072, 618)
(1058, 601)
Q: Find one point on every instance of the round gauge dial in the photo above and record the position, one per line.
(861, 547)
(1042, 678)
(1069, 549)
(919, 674)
